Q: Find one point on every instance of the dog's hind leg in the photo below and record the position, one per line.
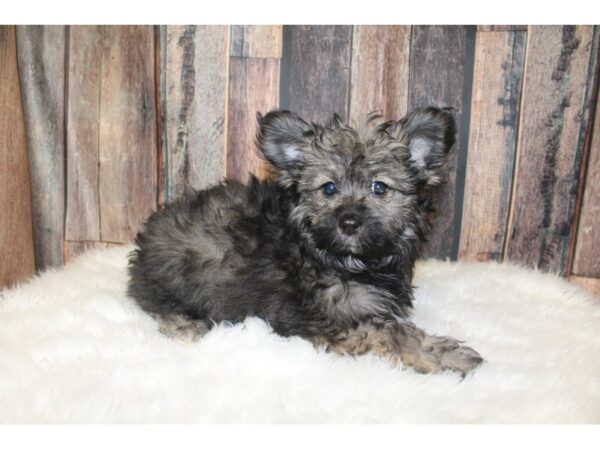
(180, 327)
(404, 344)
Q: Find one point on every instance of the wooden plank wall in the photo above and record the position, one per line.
(16, 234)
(195, 94)
(121, 119)
(440, 66)
(553, 124)
(495, 104)
(254, 77)
(41, 59)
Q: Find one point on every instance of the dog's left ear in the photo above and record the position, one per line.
(283, 137)
(429, 133)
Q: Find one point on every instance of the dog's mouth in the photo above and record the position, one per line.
(353, 262)
(365, 249)
(355, 247)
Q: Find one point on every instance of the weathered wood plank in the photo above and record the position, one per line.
(254, 87)
(196, 75)
(256, 41)
(439, 66)
(498, 73)
(592, 285)
(160, 88)
(73, 249)
(127, 131)
(16, 233)
(236, 42)
(587, 249)
(379, 80)
(502, 28)
(41, 58)
(554, 115)
(83, 114)
(316, 71)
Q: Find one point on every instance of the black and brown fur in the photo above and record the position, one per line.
(334, 268)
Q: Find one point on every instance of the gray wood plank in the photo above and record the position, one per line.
(41, 57)
(439, 67)
(316, 70)
(196, 85)
(555, 110)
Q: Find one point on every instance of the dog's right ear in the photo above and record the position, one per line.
(282, 137)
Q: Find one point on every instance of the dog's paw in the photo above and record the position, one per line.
(179, 327)
(452, 354)
(437, 353)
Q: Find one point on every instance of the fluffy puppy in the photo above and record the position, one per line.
(326, 251)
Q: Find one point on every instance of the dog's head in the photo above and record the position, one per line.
(363, 193)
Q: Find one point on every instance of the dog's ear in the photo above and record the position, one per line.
(282, 137)
(429, 133)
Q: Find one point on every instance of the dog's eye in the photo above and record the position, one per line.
(329, 189)
(379, 188)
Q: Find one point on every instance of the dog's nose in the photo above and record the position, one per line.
(349, 223)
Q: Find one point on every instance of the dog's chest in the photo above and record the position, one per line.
(350, 301)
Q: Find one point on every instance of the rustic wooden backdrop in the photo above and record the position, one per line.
(113, 121)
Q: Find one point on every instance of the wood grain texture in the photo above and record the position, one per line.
(592, 285)
(127, 131)
(438, 67)
(498, 73)
(380, 62)
(554, 115)
(196, 87)
(236, 41)
(587, 249)
(256, 41)
(253, 87)
(502, 28)
(83, 116)
(316, 71)
(16, 233)
(74, 248)
(41, 59)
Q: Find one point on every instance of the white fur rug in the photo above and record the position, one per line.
(75, 349)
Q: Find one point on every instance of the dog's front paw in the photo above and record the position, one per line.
(438, 353)
(451, 354)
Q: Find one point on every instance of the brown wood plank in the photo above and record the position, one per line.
(555, 109)
(254, 87)
(256, 41)
(41, 58)
(83, 115)
(498, 73)
(196, 75)
(379, 80)
(438, 67)
(587, 249)
(16, 236)
(502, 28)
(127, 131)
(73, 249)
(316, 71)
(592, 285)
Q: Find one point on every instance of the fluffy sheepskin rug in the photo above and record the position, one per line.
(75, 349)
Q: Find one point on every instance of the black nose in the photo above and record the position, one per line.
(349, 223)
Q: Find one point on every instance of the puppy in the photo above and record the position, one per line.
(325, 251)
